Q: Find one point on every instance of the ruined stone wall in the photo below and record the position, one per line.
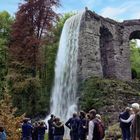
(104, 47)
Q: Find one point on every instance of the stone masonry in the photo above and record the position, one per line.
(104, 49)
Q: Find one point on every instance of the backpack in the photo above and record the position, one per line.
(74, 124)
(99, 131)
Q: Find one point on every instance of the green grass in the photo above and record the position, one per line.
(46, 136)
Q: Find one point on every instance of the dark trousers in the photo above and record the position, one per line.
(74, 135)
(82, 137)
(50, 136)
(126, 133)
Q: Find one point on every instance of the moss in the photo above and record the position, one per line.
(113, 131)
(97, 92)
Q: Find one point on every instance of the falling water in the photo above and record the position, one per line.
(64, 99)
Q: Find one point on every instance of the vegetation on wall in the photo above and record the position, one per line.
(97, 92)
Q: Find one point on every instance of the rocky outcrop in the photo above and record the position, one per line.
(104, 47)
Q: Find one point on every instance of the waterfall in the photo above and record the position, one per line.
(64, 99)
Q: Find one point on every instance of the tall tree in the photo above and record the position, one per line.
(33, 20)
(5, 24)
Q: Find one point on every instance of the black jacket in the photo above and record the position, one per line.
(58, 129)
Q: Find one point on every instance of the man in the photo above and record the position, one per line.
(125, 127)
(51, 128)
(26, 130)
(82, 130)
(93, 132)
(136, 122)
(73, 125)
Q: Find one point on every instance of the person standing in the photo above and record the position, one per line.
(82, 130)
(51, 128)
(58, 129)
(73, 125)
(26, 130)
(93, 133)
(136, 122)
(125, 127)
(41, 131)
(35, 131)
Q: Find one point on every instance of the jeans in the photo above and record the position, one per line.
(126, 133)
(40, 137)
(58, 137)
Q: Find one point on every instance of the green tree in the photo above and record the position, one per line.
(5, 25)
(33, 21)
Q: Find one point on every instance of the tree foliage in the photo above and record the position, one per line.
(5, 27)
(33, 22)
(8, 120)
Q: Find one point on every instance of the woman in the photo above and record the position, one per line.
(41, 131)
(58, 129)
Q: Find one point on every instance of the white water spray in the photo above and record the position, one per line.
(64, 99)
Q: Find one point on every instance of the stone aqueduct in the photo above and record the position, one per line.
(104, 47)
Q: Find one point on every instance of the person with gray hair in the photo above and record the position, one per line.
(136, 122)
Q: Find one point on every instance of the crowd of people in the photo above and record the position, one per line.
(33, 132)
(82, 126)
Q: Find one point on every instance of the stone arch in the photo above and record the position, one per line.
(107, 52)
(134, 35)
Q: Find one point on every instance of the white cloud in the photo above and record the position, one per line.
(136, 15)
(129, 9)
(112, 12)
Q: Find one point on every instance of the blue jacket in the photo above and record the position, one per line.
(73, 124)
(27, 130)
(2, 135)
